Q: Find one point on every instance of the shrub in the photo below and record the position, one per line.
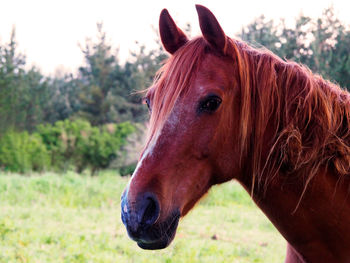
(77, 143)
(61, 140)
(101, 145)
(127, 170)
(39, 155)
(63, 145)
(22, 152)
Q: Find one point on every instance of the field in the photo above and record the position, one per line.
(72, 218)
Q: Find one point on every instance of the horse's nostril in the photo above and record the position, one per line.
(150, 210)
(139, 215)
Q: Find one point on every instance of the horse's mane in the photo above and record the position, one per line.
(309, 115)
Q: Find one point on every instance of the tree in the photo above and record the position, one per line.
(23, 93)
(108, 89)
(96, 80)
(63, 101)
(322, 44)
(261, 33)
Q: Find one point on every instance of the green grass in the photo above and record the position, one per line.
(71, 218)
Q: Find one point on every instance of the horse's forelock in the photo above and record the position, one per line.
(173, 80)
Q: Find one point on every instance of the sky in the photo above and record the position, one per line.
(50, 32)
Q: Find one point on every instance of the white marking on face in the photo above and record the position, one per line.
(171, 122)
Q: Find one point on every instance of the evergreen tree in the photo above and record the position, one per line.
(96, 80)
(322, 44)
(23, 93)
(108, 89)
(63, 101)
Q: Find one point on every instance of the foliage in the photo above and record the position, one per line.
(108, 89)
(61, 139)
(104, 90)
(63, 100)
(100, 146)
(127, 169)
(77, 143)
(322, 44)
(23, 93)
(96, 80)
(64, 145)
(22, 152)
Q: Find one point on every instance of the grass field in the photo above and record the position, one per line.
(72, 218)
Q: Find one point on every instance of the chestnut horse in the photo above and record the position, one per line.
(222, 110)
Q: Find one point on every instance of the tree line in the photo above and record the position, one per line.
(81, 106)
(102, 91)
(74, 121)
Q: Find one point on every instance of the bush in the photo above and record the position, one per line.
(101, 145)
(127, 170)
(77, 143)
(61, 140)
(63, 145)
(22, 152)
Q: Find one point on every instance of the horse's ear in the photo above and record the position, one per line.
(172, 37)
(211, 29)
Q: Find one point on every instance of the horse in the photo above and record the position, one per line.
(222, 110)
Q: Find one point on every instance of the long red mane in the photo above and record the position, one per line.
(311, 116)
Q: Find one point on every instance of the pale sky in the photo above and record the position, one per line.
(49, 31)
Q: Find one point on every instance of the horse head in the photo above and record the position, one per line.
(190, 143)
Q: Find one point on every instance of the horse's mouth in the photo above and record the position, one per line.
(159, 235)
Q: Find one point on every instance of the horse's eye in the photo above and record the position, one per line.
(210, 104)
(148, 103)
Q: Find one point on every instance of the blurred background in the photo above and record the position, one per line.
(72, 123)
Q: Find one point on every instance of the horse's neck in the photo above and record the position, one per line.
(315, 222)
(319, 228)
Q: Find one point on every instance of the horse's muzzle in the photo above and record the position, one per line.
(141, 221)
